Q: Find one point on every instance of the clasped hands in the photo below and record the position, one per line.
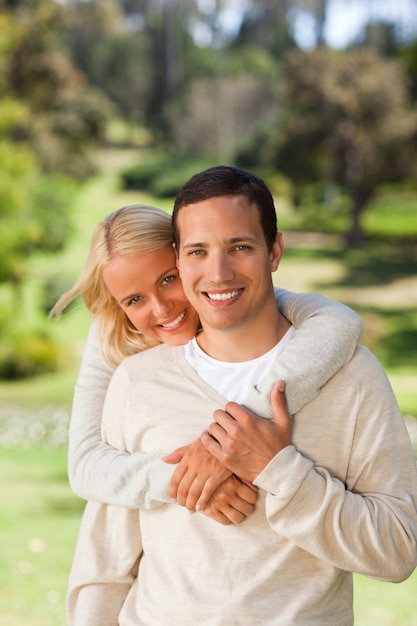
(215, 473)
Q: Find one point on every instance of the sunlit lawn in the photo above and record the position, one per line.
(38, 525)
(39, 515)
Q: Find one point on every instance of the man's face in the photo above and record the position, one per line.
(224, 263)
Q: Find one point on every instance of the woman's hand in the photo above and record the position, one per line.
(232, 502)
(197, 476)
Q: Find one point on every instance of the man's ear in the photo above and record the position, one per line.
(176, 253)
(277, 251)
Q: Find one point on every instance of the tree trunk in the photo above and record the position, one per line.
(354, 237)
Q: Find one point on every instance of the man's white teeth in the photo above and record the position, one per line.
(223, 296)
(175, 322)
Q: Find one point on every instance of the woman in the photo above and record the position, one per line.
(131, 286)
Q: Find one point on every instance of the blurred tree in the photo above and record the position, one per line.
(134, 51)
(317, 11)
(382, 37)
(408, 58)
(348, 122)
(34, 213)
(64, 116)
(224, 108)
(265, 24)
(49, 119)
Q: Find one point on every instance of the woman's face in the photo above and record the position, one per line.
(148, 289)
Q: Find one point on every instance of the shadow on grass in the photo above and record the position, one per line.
(399, 349)
(66, 505)
(376, 264)
(396, 347)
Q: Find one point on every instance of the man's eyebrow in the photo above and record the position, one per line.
(198, 244)
(246, 238)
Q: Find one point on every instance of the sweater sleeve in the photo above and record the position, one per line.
(364, 520)
(98, 471)
(325, 338)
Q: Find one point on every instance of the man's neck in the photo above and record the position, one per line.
(242, 344)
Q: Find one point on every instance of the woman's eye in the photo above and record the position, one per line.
(135, 300)
(168, 279)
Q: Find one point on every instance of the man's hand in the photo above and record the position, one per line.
(232, 502)
(245, 443)
(197, 476)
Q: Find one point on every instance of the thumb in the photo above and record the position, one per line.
(280, 413)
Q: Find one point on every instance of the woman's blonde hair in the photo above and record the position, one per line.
(128, 231)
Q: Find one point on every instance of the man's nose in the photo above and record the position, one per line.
(220, 267)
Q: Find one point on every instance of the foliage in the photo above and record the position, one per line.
(160, 174)
(34, 217)
(34, 211)
(408, 57)
(344, 126)
(61, 117)
(215, 114)
(137, 57)
(111, 58)
(26, 353)
(141, 174)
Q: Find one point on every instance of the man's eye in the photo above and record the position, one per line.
(196, 252)
(242, 246)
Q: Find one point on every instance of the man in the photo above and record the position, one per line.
(337, 485)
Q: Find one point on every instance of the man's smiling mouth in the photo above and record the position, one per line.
(223, 296)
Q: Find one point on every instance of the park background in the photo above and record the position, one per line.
(109, 103)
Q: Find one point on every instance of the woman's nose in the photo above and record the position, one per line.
(162, 306)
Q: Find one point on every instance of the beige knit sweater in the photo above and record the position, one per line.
(341, 498)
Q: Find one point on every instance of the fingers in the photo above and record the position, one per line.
(211, 444)
(190, 495)
(197, 475)
(234, 500)
(228, 514)
(218, 516)
(206, 493)
(246, 494)
(176, 455)
(179, 477)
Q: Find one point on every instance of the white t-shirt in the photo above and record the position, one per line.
(233, 380)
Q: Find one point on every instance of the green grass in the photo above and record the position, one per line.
(385, 604)
(39, 516)
(38, 527)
